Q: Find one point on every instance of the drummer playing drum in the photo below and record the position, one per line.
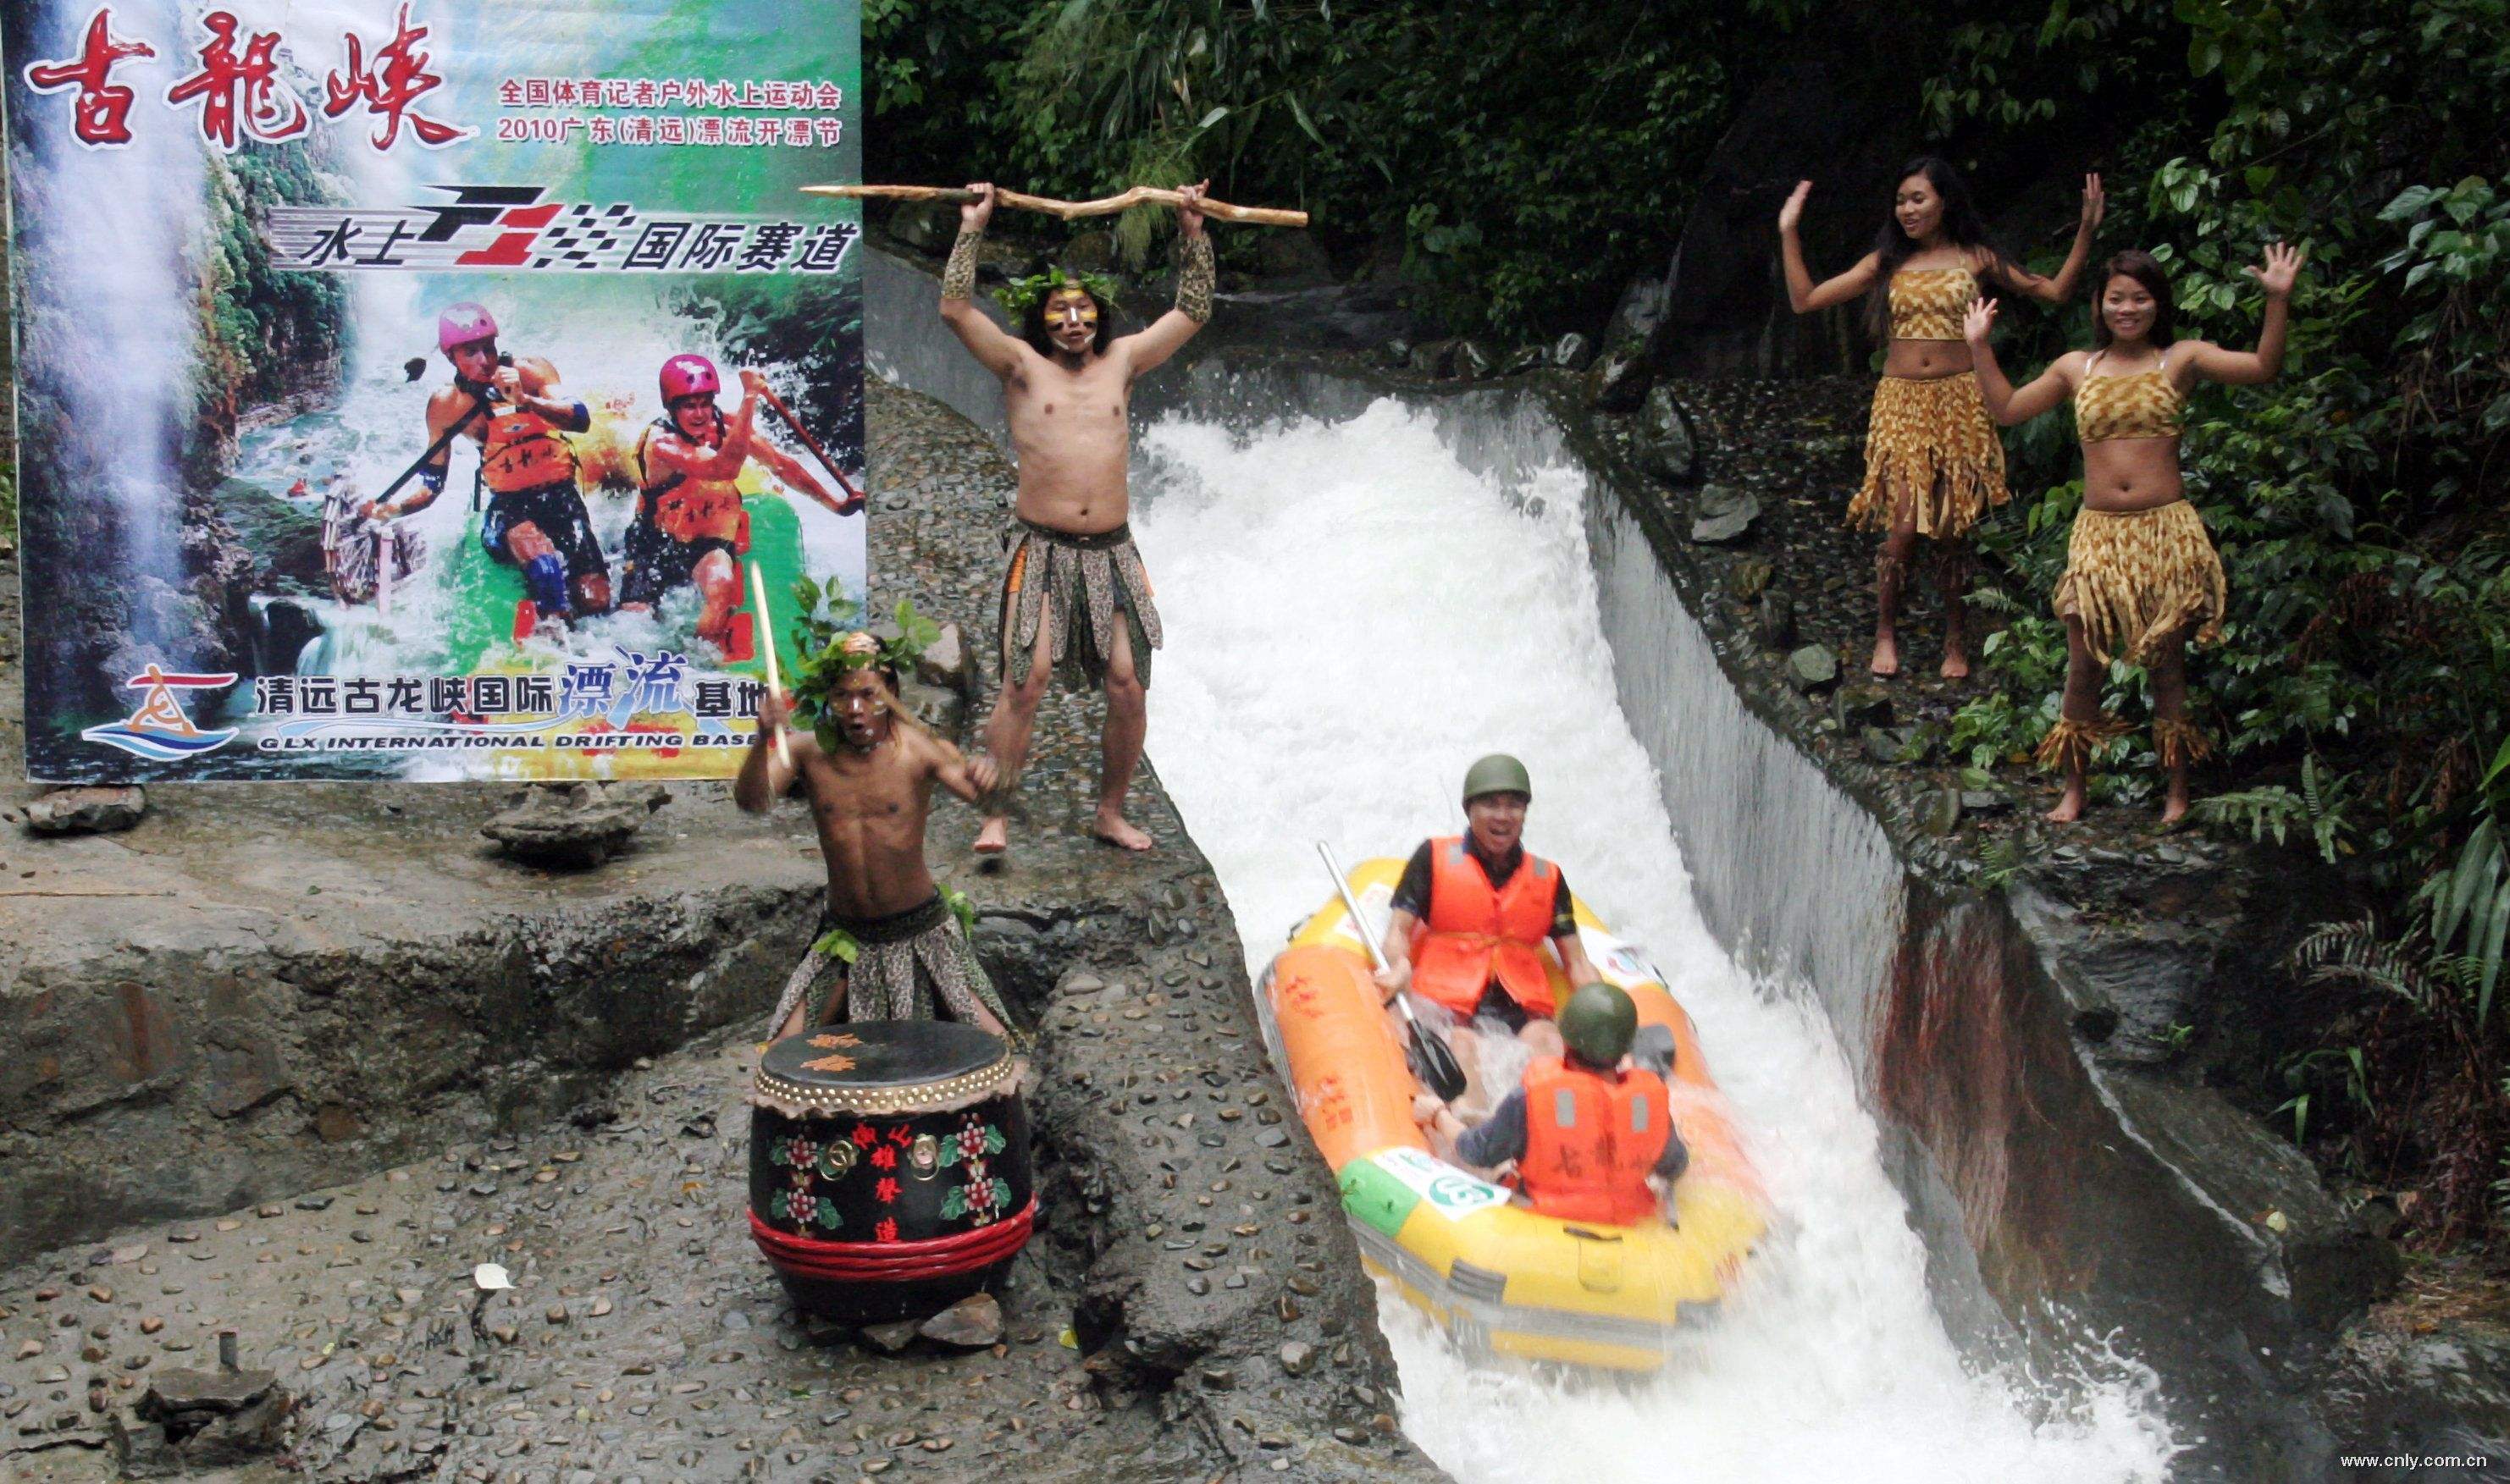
(888, 948)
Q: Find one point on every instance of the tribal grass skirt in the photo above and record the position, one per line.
(1931, 448)
(1079, 587)
(2135, 578)
(914, 965)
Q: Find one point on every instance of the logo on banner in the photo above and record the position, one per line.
(159, 731)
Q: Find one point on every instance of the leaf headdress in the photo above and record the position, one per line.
(1020, 295)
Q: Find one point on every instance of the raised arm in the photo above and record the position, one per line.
(676, 454)
(1197, 277)
(1803, 295)
(2004, 404)
(2249, 368)
(2057, 291)
(765, 777)
(994, 349)
(531, 384)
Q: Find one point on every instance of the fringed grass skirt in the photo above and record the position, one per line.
(2135, 578)
(914, 965)
(1079, 588)
(1931, 448)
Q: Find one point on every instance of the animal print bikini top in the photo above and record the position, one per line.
(1928, 303)
(2141, 404)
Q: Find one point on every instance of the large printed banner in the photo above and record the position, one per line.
(405, 387)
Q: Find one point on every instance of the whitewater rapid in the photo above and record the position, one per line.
(1352, 618)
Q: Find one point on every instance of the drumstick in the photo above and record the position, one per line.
(774, 683)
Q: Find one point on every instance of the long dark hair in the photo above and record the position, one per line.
(1033, 324)
(2145, 268)
(1963, 227)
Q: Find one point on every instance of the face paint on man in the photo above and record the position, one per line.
(861, 705)
(1072, 318)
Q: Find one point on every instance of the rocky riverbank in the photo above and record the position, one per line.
(542, 1070)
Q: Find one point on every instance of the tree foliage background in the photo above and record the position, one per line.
(1514, 165)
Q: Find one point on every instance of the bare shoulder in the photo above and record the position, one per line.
(2072, 366)
(537, 372)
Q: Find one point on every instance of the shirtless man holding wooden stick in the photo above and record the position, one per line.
(1075, 594)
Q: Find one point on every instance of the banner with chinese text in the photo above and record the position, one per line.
(406, 386)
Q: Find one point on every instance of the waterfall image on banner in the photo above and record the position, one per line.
(408, 389)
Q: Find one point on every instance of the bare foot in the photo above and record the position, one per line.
(1887, 655)
(996, 836)
(2069, 806)
(1112, 827)
(1955, 664)
(2174, 808)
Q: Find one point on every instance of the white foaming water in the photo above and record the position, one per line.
(1352, 618)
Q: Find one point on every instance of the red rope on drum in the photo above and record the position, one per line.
(896, 1262)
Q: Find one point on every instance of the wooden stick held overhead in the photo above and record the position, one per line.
(775, 682)
(1068, 210)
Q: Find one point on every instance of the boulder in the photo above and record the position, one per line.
(1473, 360)
(1619, 380)
(1292, 258)
(1640, 310)
(1814, 667)
(1524, 358)
(1571, 352)
(1724, 515)
(87, 810)
(944, 661)
(1432, 357)
(1090, 252)
(1667, 447)
(1777, 621)
(974, 1323)
(926, 226)
(574, 826)
(1749, 580)
(1862, 705)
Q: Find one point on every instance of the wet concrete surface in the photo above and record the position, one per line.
(1190, 1310)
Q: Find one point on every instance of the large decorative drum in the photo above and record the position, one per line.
(888, 1165)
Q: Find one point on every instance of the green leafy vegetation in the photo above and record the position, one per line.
(2364, 676)
(1515, 165)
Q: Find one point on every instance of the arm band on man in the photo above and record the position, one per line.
(1196, 277)
(959, 274)
(578, 417)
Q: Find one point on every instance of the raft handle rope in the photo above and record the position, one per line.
(896, 1262)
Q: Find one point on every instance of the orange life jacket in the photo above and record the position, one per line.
(1591, 1140)
(687, 510)
(1476, 932)
(521, 452)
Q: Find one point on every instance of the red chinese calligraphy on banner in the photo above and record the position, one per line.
(399, 78)
(102, 115)
(241, 90)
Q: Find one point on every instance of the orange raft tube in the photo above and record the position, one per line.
(1498, 1276)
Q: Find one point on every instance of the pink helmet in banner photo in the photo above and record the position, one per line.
(689, 376)
(462, 324)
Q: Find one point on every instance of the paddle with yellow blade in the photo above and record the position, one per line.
(1430, 1059)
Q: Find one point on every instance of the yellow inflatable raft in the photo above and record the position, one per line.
(1497, 1277)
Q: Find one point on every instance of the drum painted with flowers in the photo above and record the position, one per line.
(888, 1165)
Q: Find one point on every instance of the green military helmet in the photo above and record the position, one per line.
(1497, 773)
(1598, 1023)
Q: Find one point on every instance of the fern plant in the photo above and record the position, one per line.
(2318, 807)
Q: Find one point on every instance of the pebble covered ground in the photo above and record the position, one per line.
(1192, 1309)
